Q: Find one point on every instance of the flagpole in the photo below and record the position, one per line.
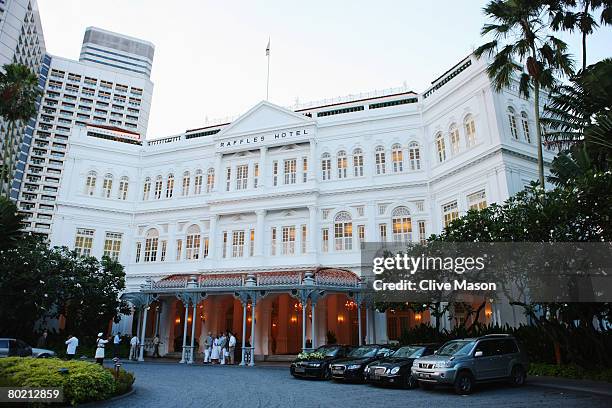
(268, 75)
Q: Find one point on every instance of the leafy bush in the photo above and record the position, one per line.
(570, 371)
(314, 355)
(82, 381)
(124, 381)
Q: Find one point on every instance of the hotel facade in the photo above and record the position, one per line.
(255, 225)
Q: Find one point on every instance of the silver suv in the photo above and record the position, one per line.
(464, 362)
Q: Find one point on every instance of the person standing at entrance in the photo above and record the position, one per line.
(214, 355)
(208, 343)
(232, 347)
(156, 344)
(71, 345)
(222, 346)
(134, 343)
(116, 342)
(100, 343)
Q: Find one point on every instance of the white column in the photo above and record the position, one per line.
(263, 166)
(212, 237)
(244, 322)
(313, 230)
(313, 334)
(371, 226)
(252, 362)
(193, 325)
(304, 307)
(312, 160)
(142, 333)
(218, 173)
(359, 323)
(138, 315)
(367, 336)
(185, 334)
(260, 232)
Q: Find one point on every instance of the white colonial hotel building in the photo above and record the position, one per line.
(264, 216)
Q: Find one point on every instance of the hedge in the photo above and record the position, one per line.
(570, 371)
(81, 381)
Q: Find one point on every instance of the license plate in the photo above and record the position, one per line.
(425, 375)
(375, 377)
(300, 370)
(336, 371)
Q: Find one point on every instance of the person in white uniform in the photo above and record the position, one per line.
(100, 343)
(71, 345)
(214, 355)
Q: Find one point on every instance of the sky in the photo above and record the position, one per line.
(210, 60)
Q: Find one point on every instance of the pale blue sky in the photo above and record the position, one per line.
(210, 55)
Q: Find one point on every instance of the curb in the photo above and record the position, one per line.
(550, 383)
(115, 398)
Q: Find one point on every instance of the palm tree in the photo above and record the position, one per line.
(521, 47)
(10, 224)
(18, 93)
(566, 18)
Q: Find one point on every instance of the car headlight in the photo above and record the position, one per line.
(444, 364)
(353, 367)
(394, 370)
(315, 364)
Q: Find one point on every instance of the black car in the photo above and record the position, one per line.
(351, 368)
(395, 369)
(319, 367)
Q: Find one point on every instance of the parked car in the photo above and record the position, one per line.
(320, 367)
(18, 348)
(395, 370)
(351, 368)
(465, 362)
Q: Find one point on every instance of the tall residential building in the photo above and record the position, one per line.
(109, 87)
(21, 41)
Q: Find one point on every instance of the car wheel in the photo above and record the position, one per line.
(44, 356)
(410, 382)
(518, 376)
(464, 383)
(426, 386)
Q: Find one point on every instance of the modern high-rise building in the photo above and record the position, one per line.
(109, 87)
(21, 41)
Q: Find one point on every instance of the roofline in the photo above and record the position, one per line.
(357, 100)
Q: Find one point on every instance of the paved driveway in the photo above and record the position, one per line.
(174, 385)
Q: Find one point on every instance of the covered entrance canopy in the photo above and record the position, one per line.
(306, 285)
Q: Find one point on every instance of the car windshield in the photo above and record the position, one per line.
(329, 351)
(364, 352)
(408, 352)
(453, 348)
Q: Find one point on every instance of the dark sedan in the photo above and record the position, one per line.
(351, 368)
(319, 367)
(395, 369)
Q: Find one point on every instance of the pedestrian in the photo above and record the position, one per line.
(156, 344)
(42, 340)
(208, 343)
(222, 345)
(232, 348)
(100, 343)
(71, 345)
(214, 355)
(134, 349)
(116, 342)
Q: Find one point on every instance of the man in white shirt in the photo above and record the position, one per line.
(116, 342)
(134, 343)
(71, 345)
(232, 347)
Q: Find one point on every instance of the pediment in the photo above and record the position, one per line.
(264, 116)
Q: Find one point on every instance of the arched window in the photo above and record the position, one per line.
(197, 182)
(525, 121)
(326, 166)
(415, 156)
(512, 121)
(170, 186)
(470, 131)
(151, 241)
(454, 138)
(90, 183)
(440, 147)
(146, 189)
(158, 187)
(107, 186)
(210, 180)
(342, 164)
(381, 167)
(402, 225)
(123, 188)
(343, 231)
(397, 156)
(186, 182)
(193, 242)
(358, 162)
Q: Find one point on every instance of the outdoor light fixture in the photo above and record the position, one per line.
(350, 305)
(249, 319)
(178, 320)
(418, 317)
(293, 319)
(340, 319)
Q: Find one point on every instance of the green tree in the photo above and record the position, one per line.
(11, 223)
(570, 15)
(521, 48)
(18, 93)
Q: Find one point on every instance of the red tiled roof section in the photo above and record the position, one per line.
(114, 128)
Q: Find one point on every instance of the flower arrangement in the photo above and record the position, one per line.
(315, 355)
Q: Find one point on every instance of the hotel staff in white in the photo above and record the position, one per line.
(100, 343)
(71, 345)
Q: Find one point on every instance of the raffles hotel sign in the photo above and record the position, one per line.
(248, 141)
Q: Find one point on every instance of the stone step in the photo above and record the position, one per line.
(284, 358)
